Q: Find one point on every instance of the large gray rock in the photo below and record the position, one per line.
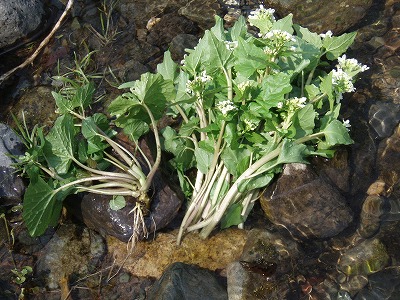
(320, 16)
(18, 18)
(11, 186)
(187, 282)
(306, 204)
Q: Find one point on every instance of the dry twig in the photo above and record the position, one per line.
(42, 44)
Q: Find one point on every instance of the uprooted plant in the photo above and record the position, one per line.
(250, 104)
(80, 153)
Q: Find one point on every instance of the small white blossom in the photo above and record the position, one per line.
(225, 106)
(250, 125)
(262, 14)
(244, 85)
(342, 81)
(327, 34)
(280, 35)
(231, 45)
(279, 105)
(346, 123)
(298, 102)
(351, 65)
(204, 78)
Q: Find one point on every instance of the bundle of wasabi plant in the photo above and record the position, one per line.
(81, 154)
(250, 104)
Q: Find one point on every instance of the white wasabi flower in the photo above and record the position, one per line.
(279, 105)
(226, 106)
(342, 81)
(262, 14)
(231, 45)
(244, 85)
(280, 35)
(351, 65)
(327, 34)
(298, 102)
(346, 123)
(204, 78)
(250, 125)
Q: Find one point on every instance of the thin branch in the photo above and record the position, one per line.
(42, 44)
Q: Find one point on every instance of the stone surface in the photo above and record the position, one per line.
(72, 251)
(384, 117)
(11, 185)
(181, 42)
(305, 204)
(201, 12)
(18, 18)
(151, 258)
(367, 257)
(321, 16)
(187, 282)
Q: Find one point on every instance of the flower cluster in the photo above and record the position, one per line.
(262, 14)
(327, 34)
(276, 42)
(231, 45)
(343, 76)
(225, 106)
(198, 83)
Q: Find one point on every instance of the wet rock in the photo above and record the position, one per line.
(260, 273)
(169, 26)
(305, 204)
(190, 282)
(11, 187)
(181, 42)
(368, 257)
(371, 215)
(383, 118)
(152, 257)
(18, 18)
(388, 158)
(201, 12)
(318, 16)
(73, 251)
(382, 285)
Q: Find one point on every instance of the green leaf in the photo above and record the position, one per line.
(327, 88)
(239, 29)
(218, 28)
(303, 122)
(233, 216)
(83, 96)
(336, 133)
(203, 159)
(311, 37)
(63, 105)
(284, 24)
(335, 46)
(179, 147)
(136, 128)
(217, 56)
(274, 88)
(168, 67)
(60, 144)
(249, 57)
(236, 161)
(256, 182)
(117, 202)
(292, 153)
(122, 104)
(41, 208)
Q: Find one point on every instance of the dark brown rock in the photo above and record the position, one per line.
(321, 16)
(201, 12)
(305, 204)
(181, 42)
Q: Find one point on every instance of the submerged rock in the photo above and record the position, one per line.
(201, 12)
(18, 18)
(383, 118)
(305, 204)
(11, 187)
(187, 282)
(321, 16)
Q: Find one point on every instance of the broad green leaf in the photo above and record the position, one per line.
(233, 216)
(327, 88)
(63, 104)
(292, 153)
(168, 67)
(136, 128)
(60, 144)
(203, 159)
(154, 91)
(337, 134)
(122, 104)
(303, 122)
(236, 161)
(249, 57)
(179, 147)
(217, 56)
(218, 28)
(41, 207)
(337, 45)
(274, 88)
(284, 24)
(83, 96)
(117, 202)
(239, 29)
(195, 58)
(256, 182)
(311, 37)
